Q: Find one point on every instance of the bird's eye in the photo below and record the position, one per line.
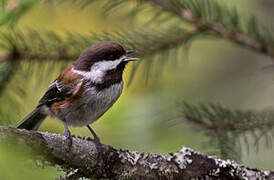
(111, 56)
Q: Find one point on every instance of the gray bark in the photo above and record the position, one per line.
(81, 160)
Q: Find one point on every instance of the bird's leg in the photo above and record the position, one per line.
(68, 136)
(97, 142)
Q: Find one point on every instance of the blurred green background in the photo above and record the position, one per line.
(143, 118)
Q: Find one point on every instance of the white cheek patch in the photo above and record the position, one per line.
(95, 75)
(99, 69)
(106, 65)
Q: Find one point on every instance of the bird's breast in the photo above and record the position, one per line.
(93, 104)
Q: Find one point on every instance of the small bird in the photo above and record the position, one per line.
(85, 90)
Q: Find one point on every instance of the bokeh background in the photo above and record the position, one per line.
(144, 118)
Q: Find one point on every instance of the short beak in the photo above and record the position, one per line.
(130, 51)
(126, 59)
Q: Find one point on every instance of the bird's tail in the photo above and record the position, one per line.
(33, 120)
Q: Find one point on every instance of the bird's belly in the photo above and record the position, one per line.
(93, 105)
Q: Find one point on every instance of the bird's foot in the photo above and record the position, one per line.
(98, 144)
(99, 148)
(68, 141)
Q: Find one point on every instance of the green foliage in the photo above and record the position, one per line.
(211, 13)
(224, 126)
(149, 42)
(6, 68)
(25, 87)
(218, 116)
(49, 45)
(14, 11)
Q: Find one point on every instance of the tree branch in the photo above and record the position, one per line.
(229, 126)
(171, 42)
(223, 119)
(220, 30)
(124, 164)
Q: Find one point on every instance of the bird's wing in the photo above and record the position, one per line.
(65, 87)
(56, 92)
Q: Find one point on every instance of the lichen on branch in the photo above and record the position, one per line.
(82, 161)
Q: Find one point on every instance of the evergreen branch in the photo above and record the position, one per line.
(15, 10)
(46, 45)
(50, 45)
(230, 126)
(218, 20)
(8, 66)
(82, 160)
(221, 119)
(259, 45)
(160, 45)
(224, 126)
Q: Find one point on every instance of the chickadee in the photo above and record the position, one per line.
(85, 90)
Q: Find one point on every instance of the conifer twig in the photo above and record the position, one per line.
(218, 29)
(171, 42)
(229, 126)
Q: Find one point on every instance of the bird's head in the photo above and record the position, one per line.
(104, 56)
